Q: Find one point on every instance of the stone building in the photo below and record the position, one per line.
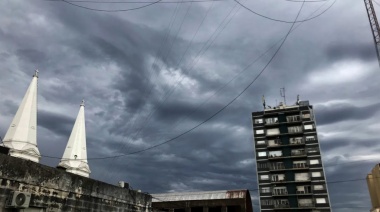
(27, 186)
(205, 201)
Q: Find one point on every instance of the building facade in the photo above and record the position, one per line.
(203, 201)
(289, 165)
(373, 182)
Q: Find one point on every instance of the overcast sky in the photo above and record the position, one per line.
(151, 74)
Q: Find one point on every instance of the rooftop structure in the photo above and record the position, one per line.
(289, 165)
(74, 158)
(204, 201)
(21, 136)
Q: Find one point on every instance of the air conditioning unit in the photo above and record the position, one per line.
(18, 199)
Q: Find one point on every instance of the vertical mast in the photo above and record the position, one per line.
(374, 25)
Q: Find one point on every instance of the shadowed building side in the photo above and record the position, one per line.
(21, 137)
(373, 182)
(205, 201)
(74, 158)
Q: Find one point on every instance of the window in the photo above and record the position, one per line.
(274, 131)
(280, 190)
(313, 162)
(297, 140)
(278, 177)
(306, 115)
(293, 118)
(305, 202)
(274, 142)
(312, 150)
(266, 202)
(299, 164)
(316, 174)
(258, 121)
(301, 176)
(259, 132)
(318, 187)
(294, 129)
(320, 200)
(262, 154)
(308, 127)
(264, 177)
(272, 120)
(261, 142)
(265, 190)
(262, 165)
(277, 166)
(310, 138)
(303, 189)
(273, 154)
(297, 152)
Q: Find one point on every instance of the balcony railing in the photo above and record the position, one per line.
(282, 205)
(293, 118)
(304, 192)
(274, 167)
(279, 192)
(300, 165)
(298, 153)
(278, 180)
(306, 205)
(294, 141)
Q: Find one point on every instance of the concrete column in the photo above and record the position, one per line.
(205, 209)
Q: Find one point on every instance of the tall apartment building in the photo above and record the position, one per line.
(289, 165)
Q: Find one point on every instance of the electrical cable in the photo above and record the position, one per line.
(278, 20)
(183, 133)
(135, 2)
(118, 10)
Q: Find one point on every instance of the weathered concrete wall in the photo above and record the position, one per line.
(55, 190)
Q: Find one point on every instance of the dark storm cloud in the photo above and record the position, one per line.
(345, 112)
(56, 123)
(347, 51)
(108, 58)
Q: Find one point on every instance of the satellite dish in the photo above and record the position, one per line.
(20, 199)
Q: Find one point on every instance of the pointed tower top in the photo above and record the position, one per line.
(74, 158)
(21, 136)
(36, 73)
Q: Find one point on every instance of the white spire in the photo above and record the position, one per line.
(21, 136)
(75, 156)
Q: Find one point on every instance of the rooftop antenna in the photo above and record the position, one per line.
(263, 99)
(282, 93)
(298, 100)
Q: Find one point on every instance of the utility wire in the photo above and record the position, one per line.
(191, 129)
(135, 2)
(118, 10)
(277, 20)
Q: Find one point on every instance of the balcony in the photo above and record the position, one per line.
(298, 153)
(282, 205)
(281, 192)
(293, 119)
(305, 205)
(276, 166)
(300, 166)
(296, 141)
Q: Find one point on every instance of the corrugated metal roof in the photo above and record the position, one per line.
(202, 195)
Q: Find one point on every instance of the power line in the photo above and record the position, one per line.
(134, 2)
(277, 20)
(118, 10)
(196, 126)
